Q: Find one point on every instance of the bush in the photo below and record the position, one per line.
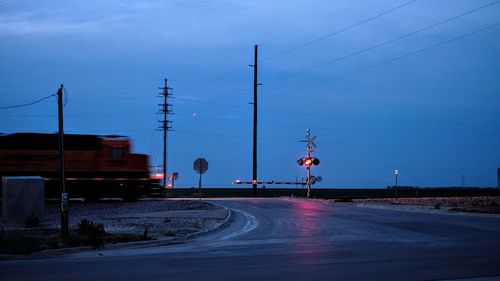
(94, 231)
(31, 221)
(96, 236)
(84, 226)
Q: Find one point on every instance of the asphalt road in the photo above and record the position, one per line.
(273, 239)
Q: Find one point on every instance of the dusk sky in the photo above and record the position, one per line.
(384, 85)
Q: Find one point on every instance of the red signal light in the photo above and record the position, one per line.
(308, 161)
(300, 161)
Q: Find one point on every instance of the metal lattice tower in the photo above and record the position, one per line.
(165, 124)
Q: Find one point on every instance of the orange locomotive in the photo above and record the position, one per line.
(95, 166)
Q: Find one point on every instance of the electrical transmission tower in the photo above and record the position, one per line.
(165, 124)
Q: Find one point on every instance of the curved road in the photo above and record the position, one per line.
(276, 239)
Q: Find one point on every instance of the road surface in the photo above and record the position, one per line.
(295, 239)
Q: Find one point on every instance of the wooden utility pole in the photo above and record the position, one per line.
(255, 85)
(62, 181)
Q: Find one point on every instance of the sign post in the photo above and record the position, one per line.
(200, 166)
(396, 173)
(172, 177)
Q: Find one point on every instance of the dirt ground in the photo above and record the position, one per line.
(122, 222)
(490, 204)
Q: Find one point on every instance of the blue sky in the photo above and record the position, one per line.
(408, 85)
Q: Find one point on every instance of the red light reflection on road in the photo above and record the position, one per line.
(308, 218)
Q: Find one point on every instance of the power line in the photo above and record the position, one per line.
(114, 99)
(219, 77)
(342, 143)
(27, 104)
(211, 101)
(89, 115)
(383, 43)
(349, 130)
(66, 95)
(380, 120)
(108, 131)
(386, 61)
(236, 70)
(122, 81)
(123, 98)
(312, 23)
(294, 141)
(293, 49)
(338, 31)
(94, 115)
(300, 126)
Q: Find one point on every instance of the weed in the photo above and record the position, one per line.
(84, 226)
(96, 236)
(31, 221)
(95, 232)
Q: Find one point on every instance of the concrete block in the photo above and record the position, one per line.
(22, 197)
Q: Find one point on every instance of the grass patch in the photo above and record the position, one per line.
(22, 243)
(31, 221)
(344, 200)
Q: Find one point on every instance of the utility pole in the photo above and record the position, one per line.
(166, 125)
(62, 181)
(255, 85)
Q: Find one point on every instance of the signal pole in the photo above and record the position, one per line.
(310, 145)
(166, 125)
(62, 180)
(255, 85)
(309, 150)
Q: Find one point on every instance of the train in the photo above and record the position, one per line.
(95, 166)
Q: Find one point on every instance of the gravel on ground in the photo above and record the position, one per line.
(161, 218)
(478, 204)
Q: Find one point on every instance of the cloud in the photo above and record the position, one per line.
(32, 18)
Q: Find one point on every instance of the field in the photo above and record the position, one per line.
(335, 193)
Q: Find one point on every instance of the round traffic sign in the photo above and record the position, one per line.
(200, 165)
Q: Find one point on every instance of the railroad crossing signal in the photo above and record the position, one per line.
(308, 161)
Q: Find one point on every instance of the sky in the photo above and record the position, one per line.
(384, 85)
